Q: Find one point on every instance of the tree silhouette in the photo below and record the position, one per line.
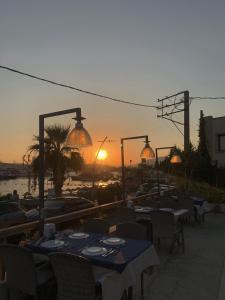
(202, 146)
(59, 158)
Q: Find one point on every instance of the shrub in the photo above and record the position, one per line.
(210, 193)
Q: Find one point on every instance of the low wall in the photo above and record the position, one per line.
(75, 215)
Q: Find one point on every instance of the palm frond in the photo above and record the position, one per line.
(67, 149)
(34, 147)
(57, 133)
(56, 158)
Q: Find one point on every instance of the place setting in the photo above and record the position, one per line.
(143, 209)
(94, 251)
(53, 244)
(78, 235)
(113, 241)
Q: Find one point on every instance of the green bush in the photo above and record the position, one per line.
(5, 197)
(210, 193)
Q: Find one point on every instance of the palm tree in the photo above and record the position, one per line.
(57, 155)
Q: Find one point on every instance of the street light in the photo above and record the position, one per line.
(146, 153)
(174, 160)
(77, 138)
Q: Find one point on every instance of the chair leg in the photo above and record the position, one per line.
(158, 242)
(124, 296)
(182, 239)
(179, 240)
(22, 296)
(203, 218)
(142, 285)
(130, 293)
(172, 245)
(7, 294)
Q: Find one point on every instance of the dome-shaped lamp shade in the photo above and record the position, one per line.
(78, 138)
(175, 159)
(147, 152)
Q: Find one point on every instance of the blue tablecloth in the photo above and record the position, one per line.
(118, 261)
(198, 201)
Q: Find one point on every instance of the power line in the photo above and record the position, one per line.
(74, 88)
(174, 123)
(207, 98)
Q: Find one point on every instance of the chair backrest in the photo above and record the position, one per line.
(167, 202)
(149, 201)
(74, 276)
(163, 224)
(132, 231)
(96, 225)
(187, 203)
(20, 268)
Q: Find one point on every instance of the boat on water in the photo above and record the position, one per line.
(6, 176)
(11, 171)
(89, 176)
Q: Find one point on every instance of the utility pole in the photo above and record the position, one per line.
(170, 106)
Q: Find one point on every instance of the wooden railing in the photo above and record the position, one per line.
(75, 215)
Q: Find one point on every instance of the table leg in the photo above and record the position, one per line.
(130, 293)
(2, 271)
(142, 285)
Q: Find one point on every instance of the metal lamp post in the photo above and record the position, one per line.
(78, 137)
(146, 152)
(174, 159)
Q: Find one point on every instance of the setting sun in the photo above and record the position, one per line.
(102, 155)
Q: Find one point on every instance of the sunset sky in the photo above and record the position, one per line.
(135, 50)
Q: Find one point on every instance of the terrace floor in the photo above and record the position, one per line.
(199, 273)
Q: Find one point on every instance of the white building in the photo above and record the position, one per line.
(215, 135)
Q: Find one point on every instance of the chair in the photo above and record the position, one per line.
(167, 202)
(132, 231)
(96, 226)
(21, 273)
(137, 232)
(74, 277)
(3, 292)
(185, 202)
(164, 226)
(149, 201)
(121, 213)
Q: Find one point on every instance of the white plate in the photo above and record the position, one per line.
(94, 251)
(52, 244)
(168, 209)
(143, 209)
(79, 235)
(114, 241)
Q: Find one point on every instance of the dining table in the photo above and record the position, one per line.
(117, 262)
(199, 204)
(144, 212)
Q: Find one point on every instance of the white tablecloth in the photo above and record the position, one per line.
(114, 283)
(180, 213)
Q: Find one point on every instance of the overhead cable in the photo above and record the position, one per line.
(207, 98)
(76, 89)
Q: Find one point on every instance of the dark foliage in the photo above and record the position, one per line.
(58, 157)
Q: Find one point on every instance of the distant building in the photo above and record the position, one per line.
(215, 135)
(11, 171)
